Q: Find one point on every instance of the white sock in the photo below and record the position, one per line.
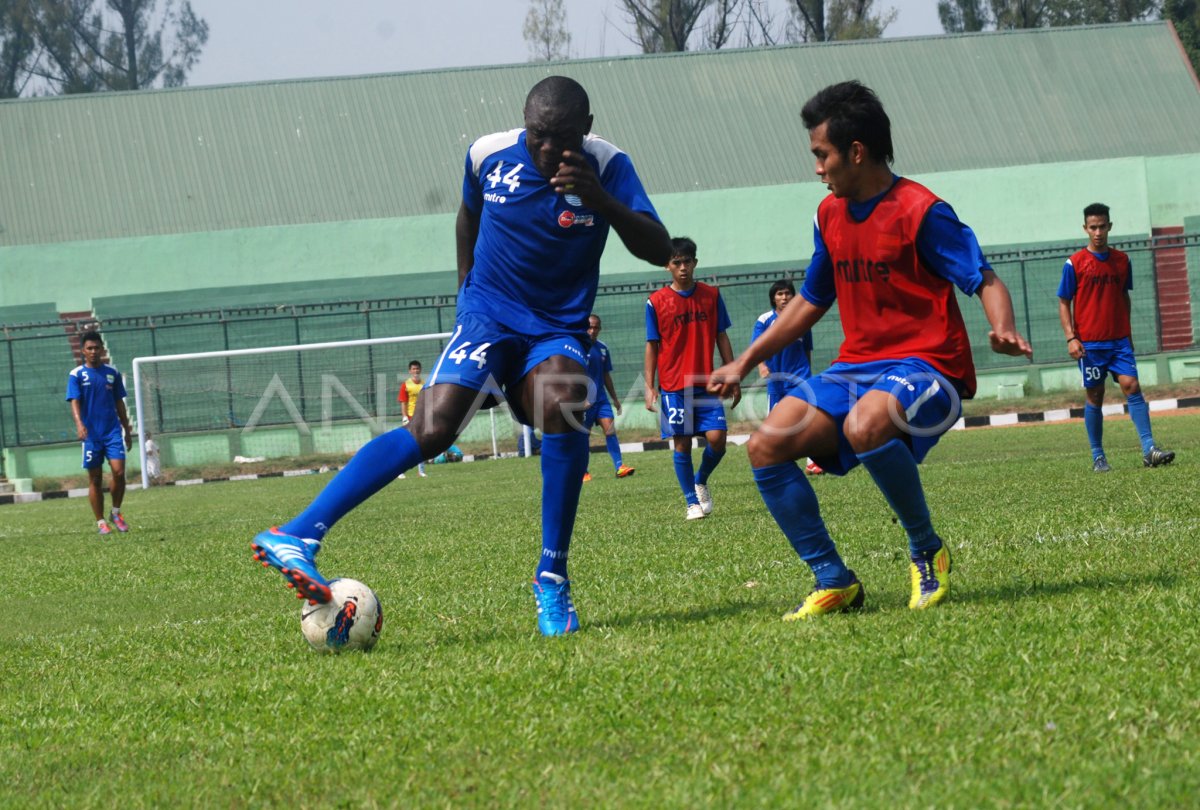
(116, 510)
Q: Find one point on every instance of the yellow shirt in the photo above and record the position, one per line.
(409, 391)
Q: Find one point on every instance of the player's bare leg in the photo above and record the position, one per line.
(96, 497)
(291, 548)
(117, 469)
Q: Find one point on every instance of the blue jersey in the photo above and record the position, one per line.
(599, 363)
(98, 390)
(791, 360)
(537, 255)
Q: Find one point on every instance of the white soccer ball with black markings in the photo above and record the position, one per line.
(351, 620)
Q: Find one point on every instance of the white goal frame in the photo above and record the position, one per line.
(138, 362)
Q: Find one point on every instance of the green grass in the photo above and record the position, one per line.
(165, 668)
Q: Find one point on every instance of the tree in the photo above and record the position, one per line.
(678, 25)
(17, 47)
(667, 26)
(958, 16)
(120, 45)
(962, 16)
(830, 20)
(1185, 15)
(546, 31)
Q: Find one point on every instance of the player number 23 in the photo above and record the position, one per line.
(479, 355)
(675, 416)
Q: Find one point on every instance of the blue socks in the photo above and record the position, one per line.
(895, 472)
(791, 501)
(614, 449)
(1093, 420)
(564, 460)
(686, 476)
(378, 462)
(708, 462)
(1139, 412)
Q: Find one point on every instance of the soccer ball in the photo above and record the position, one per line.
(351, 620)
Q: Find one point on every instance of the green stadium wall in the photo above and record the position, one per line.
(734, 228)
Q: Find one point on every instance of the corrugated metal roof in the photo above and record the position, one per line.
(213, 158)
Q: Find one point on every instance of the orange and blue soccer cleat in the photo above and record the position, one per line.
(119, 522)
(625, 472)
(930, 578)
(102, 528)
(587, 476)
(555, 610)
(293, 557)
(829, 600)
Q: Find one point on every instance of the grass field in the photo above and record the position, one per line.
(165, 668)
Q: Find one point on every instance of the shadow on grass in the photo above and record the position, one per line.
(1016, 591)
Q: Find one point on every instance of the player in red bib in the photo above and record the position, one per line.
(683, 322)
(1093, 305)
(890, 253)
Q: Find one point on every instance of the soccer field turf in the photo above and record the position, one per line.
(166, 668)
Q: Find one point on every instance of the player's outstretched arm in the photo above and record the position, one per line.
(123, 416)
(998, 308)
(798, 318)
(642, 235)
(1067, 318)
(466, 231)
(648, 372)
(80, 429)
(612, 392)
(726, 352)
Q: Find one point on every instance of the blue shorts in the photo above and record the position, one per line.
(599, 410)
(484, 355)
(931, 403)
(1115, 359)
(689, 412)
(110, 446)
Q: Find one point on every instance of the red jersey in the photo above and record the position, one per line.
(686, 327)
(1101, 302)
(892, 306)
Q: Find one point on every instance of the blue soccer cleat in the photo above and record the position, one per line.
(293, 556)
(556, 611)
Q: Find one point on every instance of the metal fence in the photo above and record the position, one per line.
(35, 358)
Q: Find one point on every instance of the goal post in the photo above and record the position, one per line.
(278, 401)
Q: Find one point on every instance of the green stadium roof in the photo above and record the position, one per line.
(242, 156)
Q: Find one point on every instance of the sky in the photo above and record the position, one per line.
(257, 41)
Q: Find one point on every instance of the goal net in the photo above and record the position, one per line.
(318, 402)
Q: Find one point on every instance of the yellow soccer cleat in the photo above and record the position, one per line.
(829, 600)
(930, 578)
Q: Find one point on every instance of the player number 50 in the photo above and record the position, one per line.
(1092, 373)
